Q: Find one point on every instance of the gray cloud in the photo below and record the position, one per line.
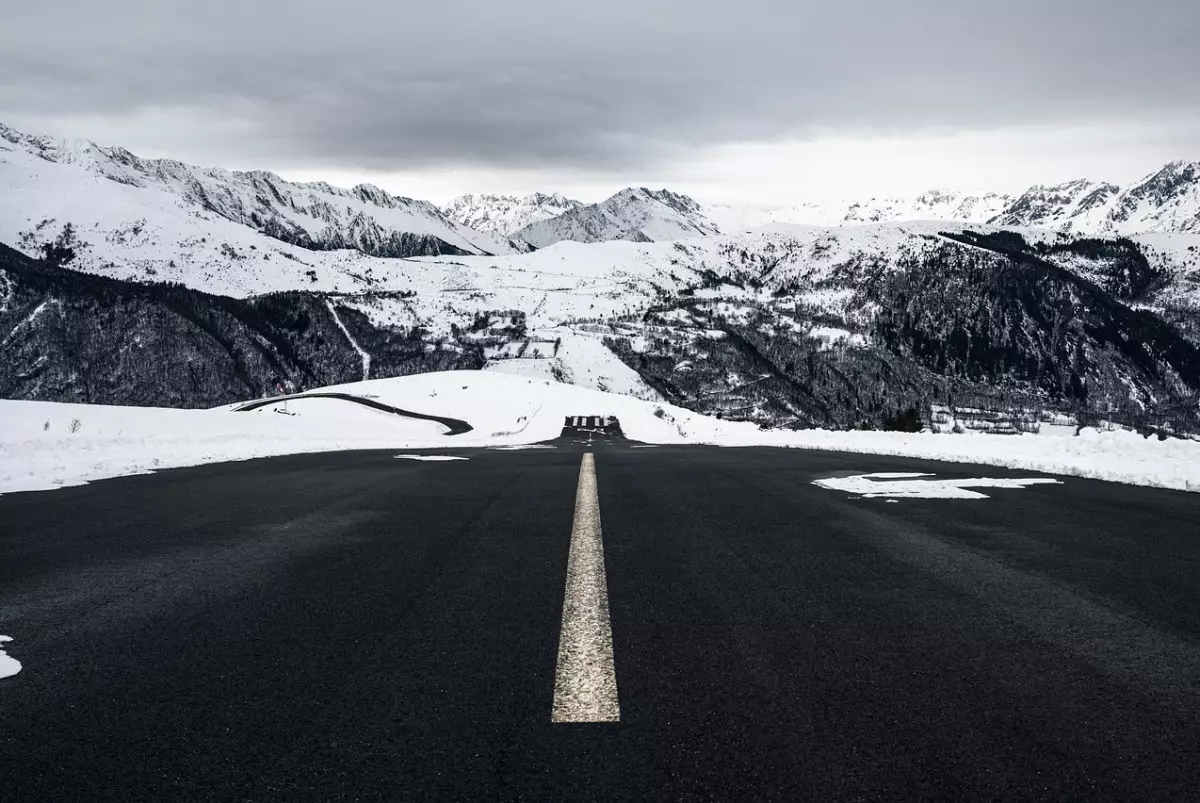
(610, 85)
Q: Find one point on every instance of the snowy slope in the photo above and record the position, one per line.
(44, 445)
(635, 214)
(507, 214)
(575, 355)
(313, 215)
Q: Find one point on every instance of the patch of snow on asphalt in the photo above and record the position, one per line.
(431, 458)
(9, 666)
(900, 485)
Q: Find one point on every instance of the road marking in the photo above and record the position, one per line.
(585, 682)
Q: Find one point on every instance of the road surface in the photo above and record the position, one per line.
(354, 626)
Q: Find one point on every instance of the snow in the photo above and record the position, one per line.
(139, 219)
(636, 214)
(429, 458)
(39, 450)
(832, 336)
(505, 410)
(507, 214)
(901, 485)
(9, 666)
(156, 231)
(1116, 456)
(946, 205)
(520, 447)
(158, 220)
(582, 359)
(366, 358)
(313, 207)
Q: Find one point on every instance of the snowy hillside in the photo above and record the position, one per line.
(44, 445)
(635, 214)
(46, 184)
(789, 326)
(507, 214)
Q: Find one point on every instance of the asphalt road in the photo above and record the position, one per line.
(353, 626)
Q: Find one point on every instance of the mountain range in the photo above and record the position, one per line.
(1167, 200)
(152, 282)
(42, 175)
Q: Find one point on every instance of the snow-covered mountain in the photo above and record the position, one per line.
(1167, 200)
(507, 214)
(930, 205)
(62, 182)
(788, 325)
(1072, 206)
(635, 214)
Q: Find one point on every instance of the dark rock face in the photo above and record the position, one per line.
(1164, 186)
(76, 337)
(1012, 318)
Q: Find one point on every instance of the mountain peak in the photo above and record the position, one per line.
(638, 214)
(1166, 200)
(506, 214)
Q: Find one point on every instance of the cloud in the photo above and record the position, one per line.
(617, 86)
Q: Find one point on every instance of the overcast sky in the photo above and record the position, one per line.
(750, 101)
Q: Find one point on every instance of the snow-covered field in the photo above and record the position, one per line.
(45, 445)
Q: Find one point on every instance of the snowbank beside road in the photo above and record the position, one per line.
(1118, 456)
(42, 446)
(48, 445)
(45, 445)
